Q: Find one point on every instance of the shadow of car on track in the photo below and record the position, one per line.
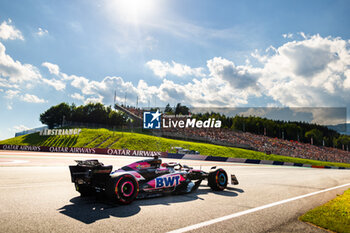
(91, 209)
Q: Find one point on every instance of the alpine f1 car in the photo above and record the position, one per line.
(143, 178)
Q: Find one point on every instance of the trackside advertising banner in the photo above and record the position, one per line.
(126, 152)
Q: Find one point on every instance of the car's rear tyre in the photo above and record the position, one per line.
(217, 180)
(84, 190)
(123, 189)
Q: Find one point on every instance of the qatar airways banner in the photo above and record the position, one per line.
(79, 150)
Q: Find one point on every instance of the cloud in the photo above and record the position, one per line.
(213, 90)
(302, 34)
(98, 99)
(10, 94)
(59, 85)
(162, 69)
(347, 79)
(6, 84)
(77, 96)
(309, 57)
(239, 77)
(208, 92)
(288, 35)
(42, 32)
(14, 74)
(15, 71)
(311, 72)
(53, 68)
(9, 32)
(32, 99)
(80, 82)
(145, 92)
(103, 91)
(15, 94)
(205, 92)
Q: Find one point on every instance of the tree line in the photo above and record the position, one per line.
(93, 113)
(178, 110)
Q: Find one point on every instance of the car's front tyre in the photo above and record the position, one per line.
(217, 180)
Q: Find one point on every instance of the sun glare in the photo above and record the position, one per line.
(134, 11)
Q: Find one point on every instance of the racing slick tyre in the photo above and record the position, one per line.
(217, 180)
(123, 189)
(84, 190)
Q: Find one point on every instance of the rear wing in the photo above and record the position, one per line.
(89, 163)
(85, 170)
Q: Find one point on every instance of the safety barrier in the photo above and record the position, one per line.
(143, 153)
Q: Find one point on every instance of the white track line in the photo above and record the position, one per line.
(227, 217)
(13, 162)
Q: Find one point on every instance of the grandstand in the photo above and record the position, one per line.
(134, 113)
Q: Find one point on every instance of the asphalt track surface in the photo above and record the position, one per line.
(36, 195)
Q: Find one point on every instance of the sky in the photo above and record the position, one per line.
(200, 53)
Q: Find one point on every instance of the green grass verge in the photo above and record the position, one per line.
(334, 215)
(136, 141)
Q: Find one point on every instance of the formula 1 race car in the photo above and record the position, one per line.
(143, 178)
